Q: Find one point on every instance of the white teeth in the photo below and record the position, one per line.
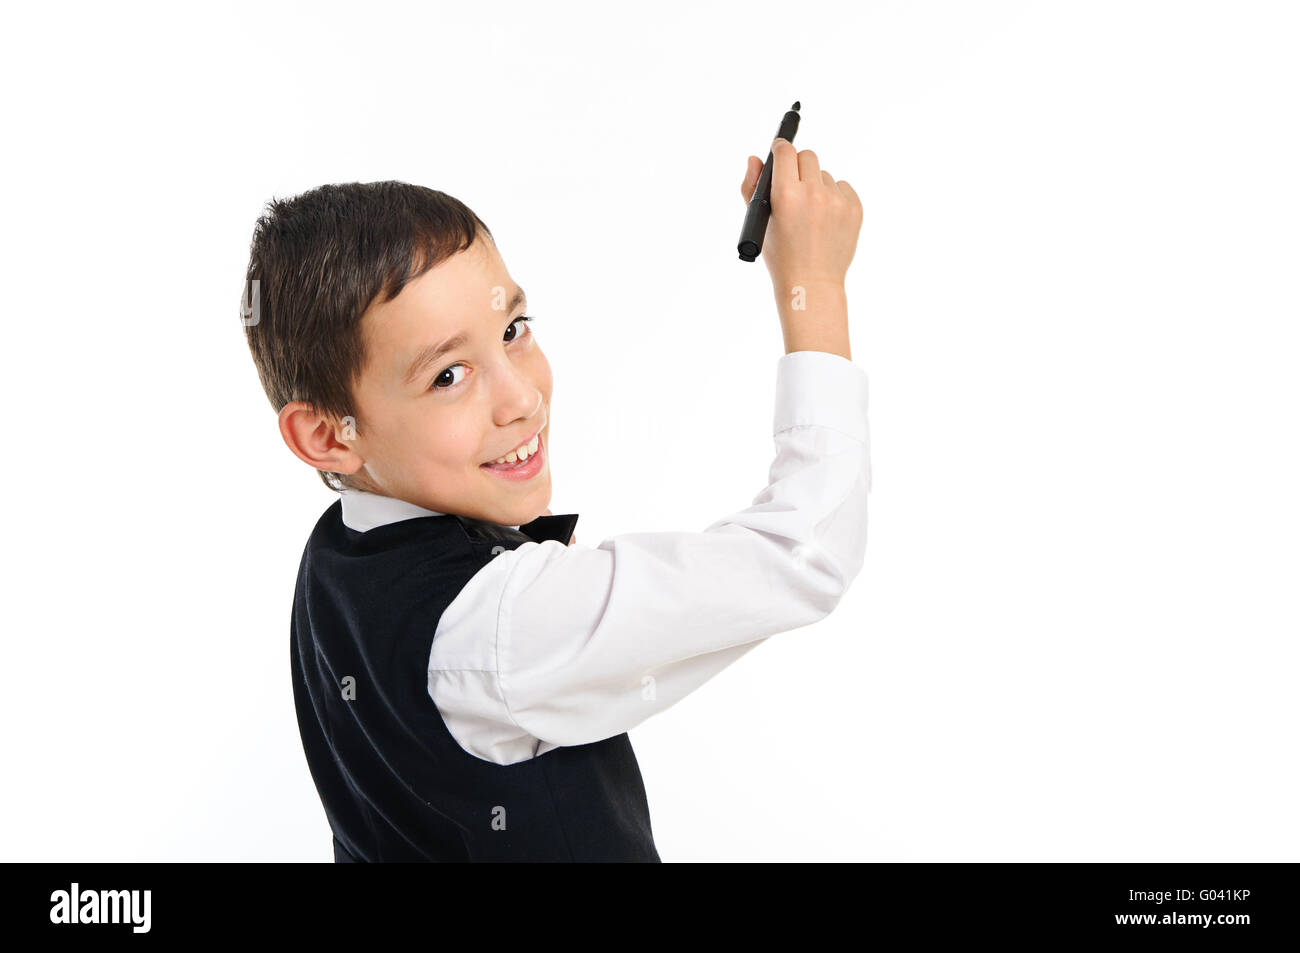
(522, 453)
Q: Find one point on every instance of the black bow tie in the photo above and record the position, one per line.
(559, 527)
(551, 527)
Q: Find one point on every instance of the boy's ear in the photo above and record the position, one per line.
(314, 438)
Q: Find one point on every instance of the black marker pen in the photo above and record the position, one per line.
(760, 203)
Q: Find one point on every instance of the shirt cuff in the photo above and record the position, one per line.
(820, 389)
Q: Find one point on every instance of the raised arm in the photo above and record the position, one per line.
(553, 645)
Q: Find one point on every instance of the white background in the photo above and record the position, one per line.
(1075, 296)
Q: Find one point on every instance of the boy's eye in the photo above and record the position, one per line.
(438, 382)
(524, 318)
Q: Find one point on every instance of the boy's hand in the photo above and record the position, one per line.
(810, 240)
(813, 232)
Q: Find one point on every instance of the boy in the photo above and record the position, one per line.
(464, 672)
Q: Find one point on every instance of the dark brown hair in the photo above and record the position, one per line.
(319, 260)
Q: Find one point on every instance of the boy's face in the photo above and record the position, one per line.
(424, 429)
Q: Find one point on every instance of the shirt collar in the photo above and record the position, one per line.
(363, 511)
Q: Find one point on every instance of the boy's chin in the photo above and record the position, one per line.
(528, 516)
(526, 512)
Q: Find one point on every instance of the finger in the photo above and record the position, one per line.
(809, 168)
(844, 187)
(785, 165)
(827, 178)
(752, 171)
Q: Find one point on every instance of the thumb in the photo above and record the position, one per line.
(752, 171)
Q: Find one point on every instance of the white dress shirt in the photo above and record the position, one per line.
(364, 511)
(551, 645)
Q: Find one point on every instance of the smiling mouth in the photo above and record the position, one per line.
(519, 462)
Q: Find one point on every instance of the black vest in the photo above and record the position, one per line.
(395, 784)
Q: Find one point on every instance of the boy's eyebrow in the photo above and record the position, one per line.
(435, 351)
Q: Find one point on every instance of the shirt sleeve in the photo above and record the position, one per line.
(552, 645)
